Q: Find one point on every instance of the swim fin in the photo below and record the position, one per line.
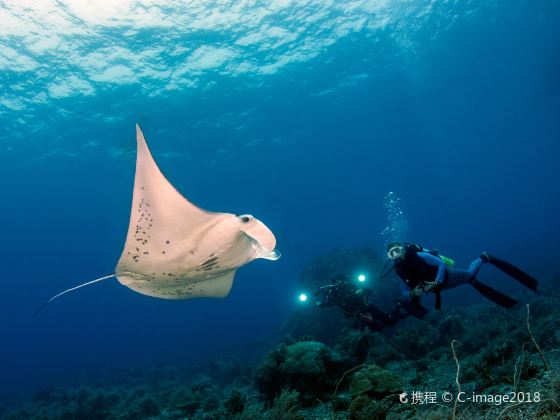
(493, 295)
(514, 272)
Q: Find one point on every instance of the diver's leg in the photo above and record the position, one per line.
(475, 266)
(457, 276)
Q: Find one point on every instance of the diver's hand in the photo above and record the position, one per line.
(429, 285)
(415, 293)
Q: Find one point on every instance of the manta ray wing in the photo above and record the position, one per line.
(162, 249)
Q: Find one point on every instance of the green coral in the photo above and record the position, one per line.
(362, 407)
(376, 381)
(235, 404)
(286, 407)
(307, 358)
(309, 367)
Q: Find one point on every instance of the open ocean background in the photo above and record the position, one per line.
(302, 113)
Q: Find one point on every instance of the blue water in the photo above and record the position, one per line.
(305, 114)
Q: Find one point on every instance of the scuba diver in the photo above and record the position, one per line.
(422, 270)
(356, 303)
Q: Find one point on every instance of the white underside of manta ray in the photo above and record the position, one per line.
(174, 249)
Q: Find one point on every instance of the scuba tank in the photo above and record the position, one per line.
(448, 261)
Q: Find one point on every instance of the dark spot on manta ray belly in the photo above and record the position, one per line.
(210, 261)
(211, 264)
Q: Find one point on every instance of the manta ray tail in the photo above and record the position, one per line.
(70, 290)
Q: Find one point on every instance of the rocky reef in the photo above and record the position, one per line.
(324, 368)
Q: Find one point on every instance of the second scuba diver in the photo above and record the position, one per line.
(356, 303)
(423, 271)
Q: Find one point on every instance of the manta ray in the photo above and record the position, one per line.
(176, 250)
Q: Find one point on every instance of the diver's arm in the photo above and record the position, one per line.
(435, 261)
(322, 295)
(404, 288)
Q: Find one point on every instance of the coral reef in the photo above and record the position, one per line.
(363, 407)
(286, 407)
(375, 382)
(309, 367)
(350, 374)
